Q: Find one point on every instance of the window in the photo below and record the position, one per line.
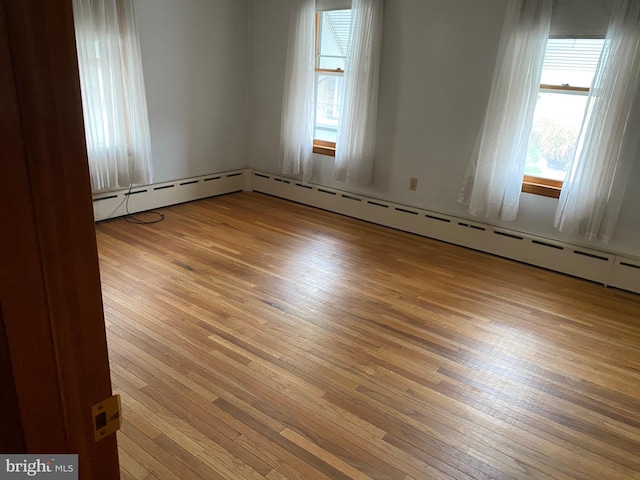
(113, 95)
(333, 31)
(331, 87)
(568, 70)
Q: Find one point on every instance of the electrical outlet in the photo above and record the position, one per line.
(413, 184)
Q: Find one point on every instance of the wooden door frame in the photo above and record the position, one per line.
(54, 345)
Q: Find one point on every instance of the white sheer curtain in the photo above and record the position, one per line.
(296, 140)
(113, 95)
(592, 192)
(355, 145)
(493, 181)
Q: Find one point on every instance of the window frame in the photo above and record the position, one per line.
(322, 147)
(542, 186)
(545, 187)
(548, 187)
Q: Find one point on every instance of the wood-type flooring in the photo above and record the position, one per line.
(254, 338)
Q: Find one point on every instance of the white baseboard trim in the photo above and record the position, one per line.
(599, 266)
(148, 197)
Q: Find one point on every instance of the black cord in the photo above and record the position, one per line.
(131, 217)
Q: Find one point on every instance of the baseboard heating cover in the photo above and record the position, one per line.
(599, 266)
(141, 198)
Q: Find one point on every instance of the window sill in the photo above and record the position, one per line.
(541, 186)
(322, 147)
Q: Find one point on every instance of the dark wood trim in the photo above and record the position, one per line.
(24, 303)
(11, 433)
(50, 284)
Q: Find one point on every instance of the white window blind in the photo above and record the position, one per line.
(571, 62)
(333, 39)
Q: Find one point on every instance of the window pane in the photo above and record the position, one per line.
(571, 61)
(334, 29)
(329, 89)
(556, 126)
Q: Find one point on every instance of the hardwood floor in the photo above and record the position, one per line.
(254, 338)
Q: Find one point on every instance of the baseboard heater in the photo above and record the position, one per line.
(607, 268)
(141, 198)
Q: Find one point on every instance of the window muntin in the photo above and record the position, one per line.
(333, 31)
(568, 70)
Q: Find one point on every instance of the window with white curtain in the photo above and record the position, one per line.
(333, 34)
(567, 73)
(493, 181)
(331, 87)
(113, 94)
(597, 178)
(600, 159)
(576, 40)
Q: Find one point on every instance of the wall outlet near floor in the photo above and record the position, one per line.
(413, 184)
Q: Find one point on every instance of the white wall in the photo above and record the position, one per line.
(437, 66)
(194, 57)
